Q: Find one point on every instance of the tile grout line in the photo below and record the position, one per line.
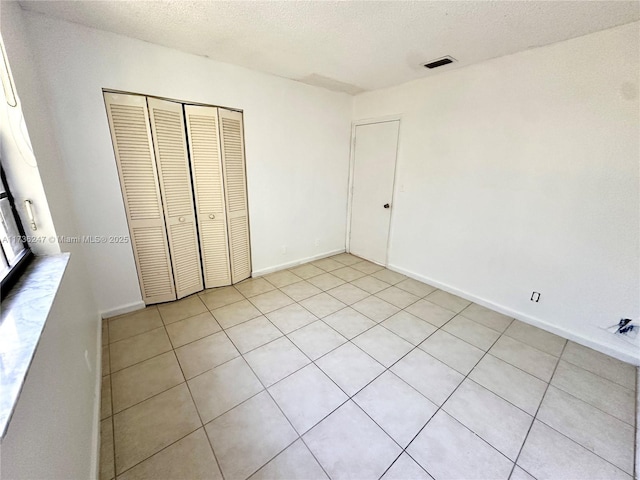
(413, 388)
(537, 411)
(328, 352)
(494, 356)
(264, 389)
(159, 393)
(402, 452)
(113, 423)
(195, 405)
(586, 402)
(161, 450)
(350, 397)
(326, 291)
(299, 437)
(633, 390)
(579, 444)
(164, 325)
(200, 418)
(350, 340)
(142, 361)
(162, 391)
(593, 406)
(445, 401)
(487, 352)
(386, 369)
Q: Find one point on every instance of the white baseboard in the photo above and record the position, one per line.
(282, 266)
(628, 356)
(131, 307)
(97, 408)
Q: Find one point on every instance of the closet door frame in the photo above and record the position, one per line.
(142, 98)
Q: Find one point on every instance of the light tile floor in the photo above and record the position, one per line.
(342, 369)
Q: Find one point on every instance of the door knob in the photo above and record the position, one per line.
(386, 205)
(181, 219)
(212, 216)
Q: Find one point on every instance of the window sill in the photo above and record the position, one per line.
(22, 319)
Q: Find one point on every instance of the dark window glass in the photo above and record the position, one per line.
(15, 253)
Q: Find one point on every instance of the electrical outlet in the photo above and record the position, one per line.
(284, 249)
(535, 297)
(317, 242)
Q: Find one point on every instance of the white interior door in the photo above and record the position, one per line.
(372, 189)
(206, 166)
(235, 186)
(167, 127)
(129, 124)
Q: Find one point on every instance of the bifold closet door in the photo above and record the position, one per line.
(172, 159)
(206, 166)
(235, 185)
(129, 123)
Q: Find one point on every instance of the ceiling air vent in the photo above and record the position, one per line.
(440, 62)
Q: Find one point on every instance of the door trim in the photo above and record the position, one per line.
(354, 124)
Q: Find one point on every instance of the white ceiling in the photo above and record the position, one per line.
(349, 46)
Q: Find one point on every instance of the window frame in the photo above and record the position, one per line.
(24, 257)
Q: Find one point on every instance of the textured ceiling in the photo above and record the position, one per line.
(349, 46)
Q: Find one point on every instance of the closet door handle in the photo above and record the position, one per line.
(181, 219)
(212, 216)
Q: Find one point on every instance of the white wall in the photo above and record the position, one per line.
(518, 174)
(23, 176)
(297, 145)
(521, 174)
(54, 430)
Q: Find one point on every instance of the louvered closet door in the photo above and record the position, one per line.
(167, 125)
(235, 184)
(129, 124)
(206, 166)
